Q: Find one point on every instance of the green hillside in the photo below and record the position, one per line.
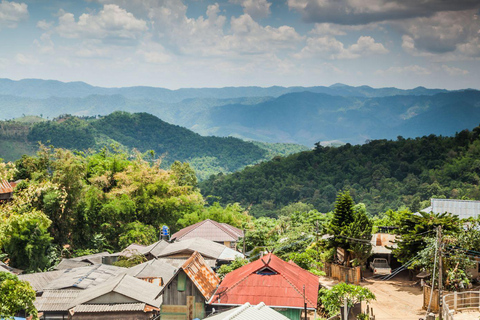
(383, 174)
(140, 131)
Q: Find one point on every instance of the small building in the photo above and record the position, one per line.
(154, 271)
(462, 208)
(186, 294)
(382, 245)
(211, 230)
(6, 190)
(82, 261)
(249, 312)
(283, 286)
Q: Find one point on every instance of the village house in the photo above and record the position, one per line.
(186, 294)
(6, 190)
(81, 261)
(222, 233)
(154, 271)
(281, 285)
(249, 312)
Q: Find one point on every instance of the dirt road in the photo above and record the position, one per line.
(396, 299)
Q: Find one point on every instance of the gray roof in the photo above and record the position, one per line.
(462, 208)
(120, 307)
(40, 280)
(6, 268)
(95, 258)
(69, 264)
(133, 288)
(249, 312)
(178, 262)
(206, 248)
(56, 300)
(84, 277)
(153, 269)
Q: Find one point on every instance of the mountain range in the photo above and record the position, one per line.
(300, 115)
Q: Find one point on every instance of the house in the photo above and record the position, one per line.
(211, 230)
(6, 268)
(214, 253)
(382, 245)
(283, 286)
(154, 271)
(185, 295)
(6, 190)
(462, 208)
(249, 312)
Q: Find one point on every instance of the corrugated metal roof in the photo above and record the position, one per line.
(5, 187)
(85, 277)
(249, 312)
(95, 258)
(56, 300)
(7, 268)
(210, 230)
(109, 307)
(462, 208)
(284, 288)
(178, 262)
(153, 269)
(206, 248)
(125, 285)
(40, 280)
(205, 279)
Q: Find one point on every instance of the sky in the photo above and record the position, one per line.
(199, 43)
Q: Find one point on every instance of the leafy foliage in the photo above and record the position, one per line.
(227, 268)
(16, 296)
(333, 299)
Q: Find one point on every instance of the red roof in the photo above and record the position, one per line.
(5, 187)
(282, 289)
(211, 230)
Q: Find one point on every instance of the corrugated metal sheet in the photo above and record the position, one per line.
(5, 187)
(40, 280)
(70, 264)
(462, 208)
(205, 279)
(6, 268)
(109, 307)
(56, 300)
(85, 277)
(249, 312)
(178, 262)
(125, 285)
(206, 248)
(210, 230)
(153, 269)
(284, 288)
(95, 258)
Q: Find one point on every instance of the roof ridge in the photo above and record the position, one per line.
(119, 281)
(239, 310)
(191, 228)
(296, 289)
(226, 230)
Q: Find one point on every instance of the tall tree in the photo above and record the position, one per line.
(16, 296)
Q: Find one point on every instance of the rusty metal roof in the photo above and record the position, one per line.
(201, 274)
(5, 187)
(211, 230)
(271, 280)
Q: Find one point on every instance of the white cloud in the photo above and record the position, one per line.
(45, 44)
(257, 9)
(44, 24)
(330, 48)
(111, 22)
(26, 60)
(408, 70)
(453, 71)
(154, 53)
(11, 13)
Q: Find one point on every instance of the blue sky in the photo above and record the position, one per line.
(200, 43)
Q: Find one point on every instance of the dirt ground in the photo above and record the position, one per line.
(398, 299)
(467, 315)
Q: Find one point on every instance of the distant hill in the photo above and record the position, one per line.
(299, 115)
(141, 131)
(383, 174)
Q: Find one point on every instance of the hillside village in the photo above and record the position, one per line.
(342, 265)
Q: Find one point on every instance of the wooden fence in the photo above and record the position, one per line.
(434, 307)
(344, 274)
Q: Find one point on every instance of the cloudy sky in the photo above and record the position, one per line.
(203, 43)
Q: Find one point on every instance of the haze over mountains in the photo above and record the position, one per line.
(276, 114)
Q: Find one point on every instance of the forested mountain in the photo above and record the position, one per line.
(383, 174)
(276, 114)
(139, 131)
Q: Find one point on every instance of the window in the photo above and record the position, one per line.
(181, 281)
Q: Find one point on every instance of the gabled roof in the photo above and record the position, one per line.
(95, 258)
(70, 264)
(249, 312)
(56, 300)
(125, 285)
(204, 278)
(210, 230)
(206, 248)
(5, 187)
(85, 277)
(271, 280)
(153, 269)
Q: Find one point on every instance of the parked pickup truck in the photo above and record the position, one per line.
(380, 266)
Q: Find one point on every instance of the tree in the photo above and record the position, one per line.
(334, 298)
(227, 268)
(16, 296)
(137, 232)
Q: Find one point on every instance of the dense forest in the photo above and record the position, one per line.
(383, 174)
(140, 131)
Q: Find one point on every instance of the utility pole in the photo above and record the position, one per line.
(440, 272)
(316, 244)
